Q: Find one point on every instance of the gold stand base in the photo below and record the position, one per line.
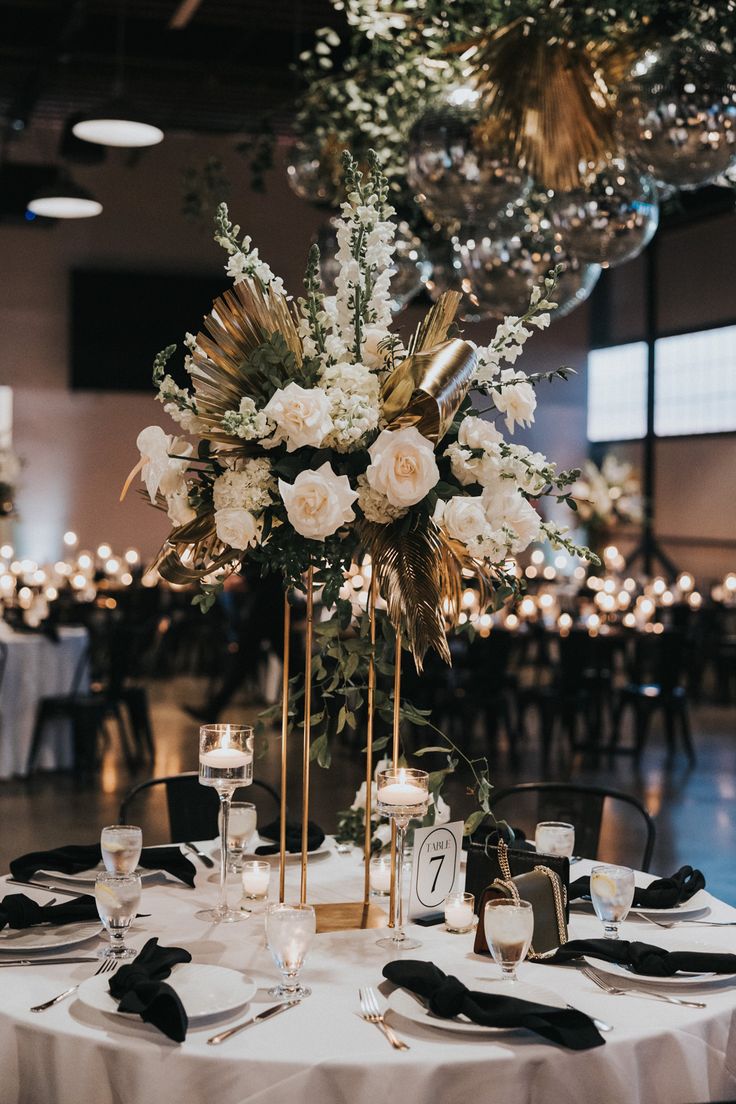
(348, 915)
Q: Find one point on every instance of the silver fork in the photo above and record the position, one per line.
(371, 1013)
(615, 991)
(677, 923)
(107, 966)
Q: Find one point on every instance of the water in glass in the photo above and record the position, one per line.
(611, 891)
(121, 846)
(241, 826)
(118, 898)
(290, 930)
(509, 926)
(554, 837)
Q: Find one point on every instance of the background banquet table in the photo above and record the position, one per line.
(37, 667)
(323, 1051)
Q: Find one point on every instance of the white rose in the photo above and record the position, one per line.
(464, 518)
(508, 510)
(236, 528)
(178, 509)
(477, 433)
(302, 416)
(318, 502)
(516, 399)
(402, 466)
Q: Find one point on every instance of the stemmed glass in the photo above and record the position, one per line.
(225, 762)
(611, 891)
(242, 825)
(121, 846)
(117, 897)
(403, 793)
(290, 930)
(509, 927)
(555, 837)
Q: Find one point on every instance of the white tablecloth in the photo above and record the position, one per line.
(323, 1053)
(36, 667)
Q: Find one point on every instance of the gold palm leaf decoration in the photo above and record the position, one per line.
(457, 570)
(546, 102)
(239, 323)
(193, 551)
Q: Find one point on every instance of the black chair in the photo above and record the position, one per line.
(192, 808)
(656, 684)
(3, 661)
(596, 835)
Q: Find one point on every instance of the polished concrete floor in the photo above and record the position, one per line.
(695, 808)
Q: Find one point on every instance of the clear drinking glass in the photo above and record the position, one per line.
(554, 837)
(121, 846)
(459, 912)
(403, 794)
(290, 930)
(118, 897)
(226, 763)
(241, 826)
(255, 876)
(611, 891)
(509, 927)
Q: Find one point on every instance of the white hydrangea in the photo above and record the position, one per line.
(248, 487)
(375, 505)
(247, 422)
(352, 418)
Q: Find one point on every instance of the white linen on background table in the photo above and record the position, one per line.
(36, 667)
(323, 1053)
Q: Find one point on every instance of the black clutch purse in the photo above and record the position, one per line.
(485, 867)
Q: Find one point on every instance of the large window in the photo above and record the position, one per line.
(694, 391)
(617, 393)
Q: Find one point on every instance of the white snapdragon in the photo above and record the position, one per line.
(485, 469)
(179, 405)
(247, 422)
(246, 264)
(509, 511)
(531, 470)
(515, 399)
(251, 486)
(375, 506)
(477, 433)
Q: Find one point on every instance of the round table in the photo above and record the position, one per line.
(322, 1051)
(37, 667)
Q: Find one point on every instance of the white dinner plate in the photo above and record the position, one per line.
(615, 970)
(413, 1008)
(699, 902)
(325, 848)
(204, 991)
(46, 937)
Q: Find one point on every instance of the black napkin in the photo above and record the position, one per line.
(139, 986)
(19, 911)
(315, 837)
(75, 858)
(662, 893)
(448, 997)
(645, 958)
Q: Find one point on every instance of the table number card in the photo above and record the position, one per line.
(435, 867)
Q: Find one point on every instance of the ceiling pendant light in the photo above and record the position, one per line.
(118, 122)
(64, 199)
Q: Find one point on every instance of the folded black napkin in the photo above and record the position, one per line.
(315, 837)
(19, 911)
(75, 858)
(448, 997)
(662, 893)
(645, 958)
(139, 986)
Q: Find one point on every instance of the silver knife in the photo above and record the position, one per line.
(49, 887)
(273, 1011)
(205, 859)
(43, 961)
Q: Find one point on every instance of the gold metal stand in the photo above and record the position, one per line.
(284, 747)
(307, 731)
(395, 764)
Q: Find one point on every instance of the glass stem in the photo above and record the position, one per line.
(399, 895)
(225, 798)
(117, 940)
(610, 930)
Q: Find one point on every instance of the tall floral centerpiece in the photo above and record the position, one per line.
(312, 437)
(606, 498)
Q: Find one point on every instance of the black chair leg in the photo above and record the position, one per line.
(687, 737)
(42, 716)
(642, 718)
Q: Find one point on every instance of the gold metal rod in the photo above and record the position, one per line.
(284, 749)
(307, 727)
(395, 764)
(369, 741)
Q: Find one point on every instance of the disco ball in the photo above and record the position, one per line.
(309, 175)
(457, 174)
(411, 263)
(503, 269)
(611, 217)
(677, 113)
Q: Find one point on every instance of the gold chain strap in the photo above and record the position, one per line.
(557, 893)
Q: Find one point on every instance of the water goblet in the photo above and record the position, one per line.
(225, 763)
(402, 795)
(555, 837)
(118, 897)
(290, 930)
(611, 891)
(241, 826)
(509, 927)
(121, 846)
